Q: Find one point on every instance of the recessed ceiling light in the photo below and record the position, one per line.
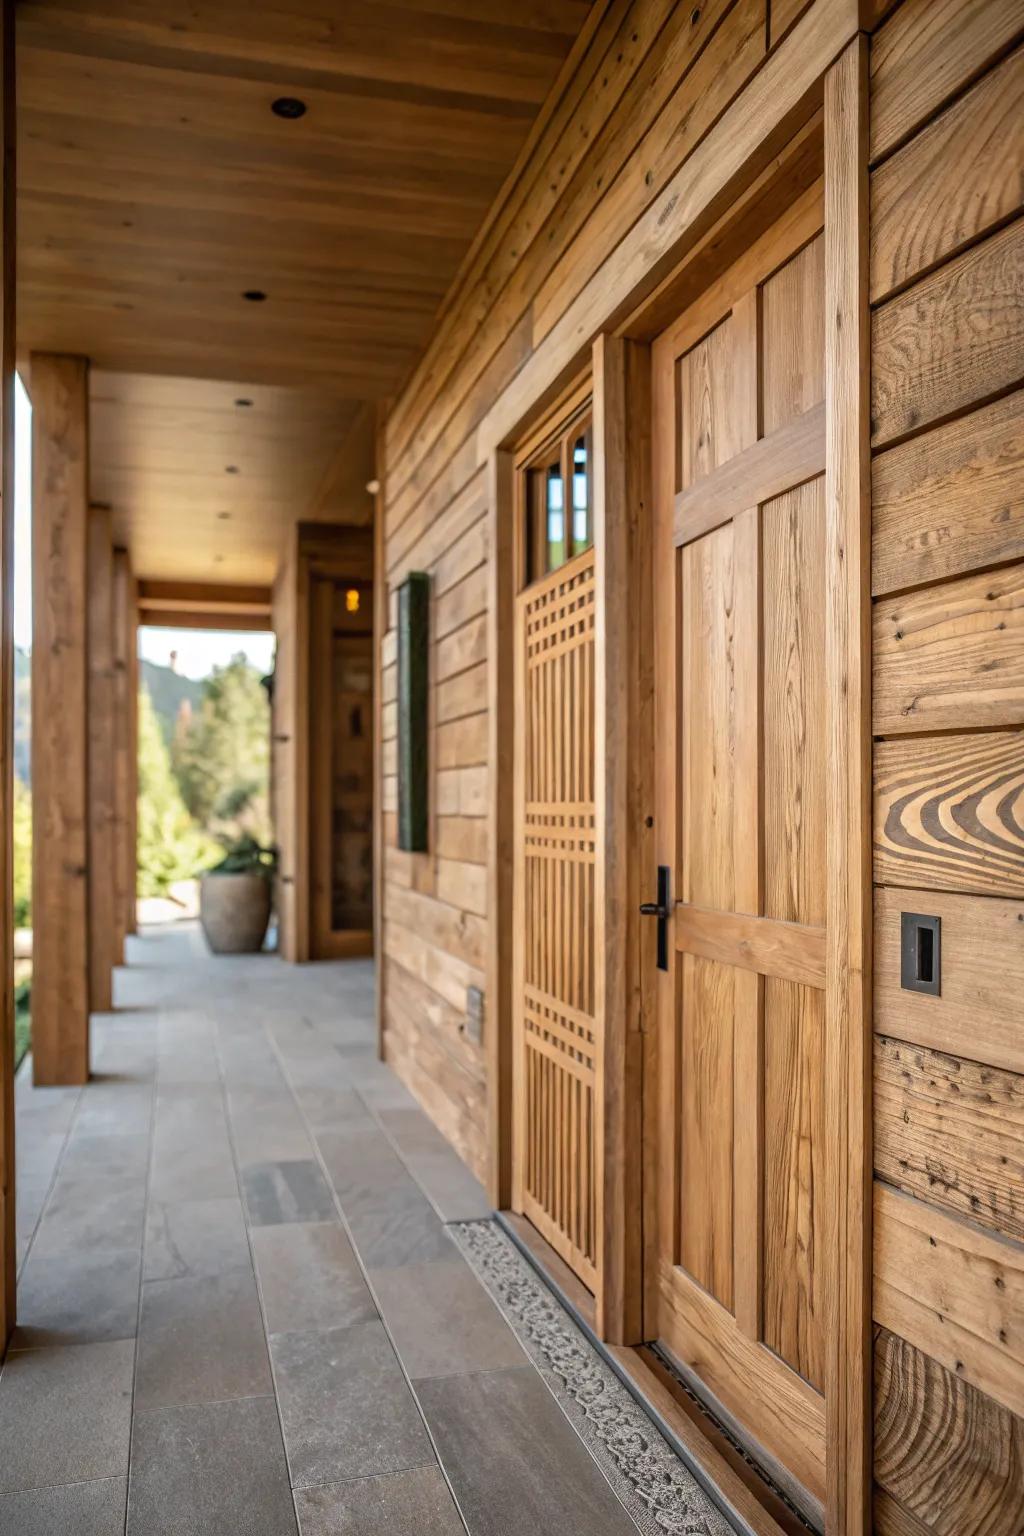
(254, 295)
(218, 559)
(231, 469)
(243, 402)
(373, 487)
(290, 107)
(223, 516)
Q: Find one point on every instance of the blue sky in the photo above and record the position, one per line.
(198, 651)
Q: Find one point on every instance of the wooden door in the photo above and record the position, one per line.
(557, 1031)
(737, 1288)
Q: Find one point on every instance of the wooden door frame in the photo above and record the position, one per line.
(830, 122)
(620, 388)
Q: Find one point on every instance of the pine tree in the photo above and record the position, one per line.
(170, 845)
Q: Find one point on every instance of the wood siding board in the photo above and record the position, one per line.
(980, 1012)
(927, 52)
(962, 175)
(949, 812)
(952, 500)
(951, 1132)
(951, 1457)
(953, 1290)
(951, 341)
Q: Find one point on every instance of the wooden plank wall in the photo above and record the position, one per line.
(641, 92)
(292, 944)
(947, 292)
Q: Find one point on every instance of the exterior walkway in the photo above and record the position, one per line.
(241, 1311)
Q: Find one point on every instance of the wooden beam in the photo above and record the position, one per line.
(847, 1240)
(60, 988)
(205, 597)
(380, 628)
(8, 1234)
(189, 618)
(101, 706)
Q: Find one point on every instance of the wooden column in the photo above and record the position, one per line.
(131, 924)
(105, 919)
(60, 987)
(125, 766)
(8, 1239)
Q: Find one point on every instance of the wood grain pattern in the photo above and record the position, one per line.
(784, 950)
(795, 1270)
(949, 812)
(952, 500)
(925, 53)
(953, 339)
(980, 1013)
(951, 657)
(951, 1132)
(951, 1457)
(953, 1290)
(955, 180)
(60, 908)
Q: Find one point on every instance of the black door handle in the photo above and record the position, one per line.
(662, 910)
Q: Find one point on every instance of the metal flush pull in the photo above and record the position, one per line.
(662, 910)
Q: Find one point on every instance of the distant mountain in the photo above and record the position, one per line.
(168, 691)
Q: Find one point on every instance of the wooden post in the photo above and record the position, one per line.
(60, 987)
(106, 918)
(8, 1238)
(131, 850)
(124, 852)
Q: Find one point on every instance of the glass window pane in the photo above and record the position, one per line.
(556, 517)
(581, 493)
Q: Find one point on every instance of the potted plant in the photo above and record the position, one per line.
(234, 898)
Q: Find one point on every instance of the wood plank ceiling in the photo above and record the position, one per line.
(158, 188)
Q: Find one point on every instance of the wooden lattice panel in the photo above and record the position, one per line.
(557, 1033)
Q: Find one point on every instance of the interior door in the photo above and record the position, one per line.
(737, 1112)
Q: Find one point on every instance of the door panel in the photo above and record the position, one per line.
(557, 1032)
(741, 760)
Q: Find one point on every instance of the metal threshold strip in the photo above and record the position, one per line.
(788, 1519)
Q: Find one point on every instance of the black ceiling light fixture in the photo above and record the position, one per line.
(289, 107)
(254, 295)
(231, 469)
(243, 403)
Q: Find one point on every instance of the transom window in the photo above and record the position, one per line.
(558, 495)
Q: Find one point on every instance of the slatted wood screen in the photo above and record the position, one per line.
(557, 1032)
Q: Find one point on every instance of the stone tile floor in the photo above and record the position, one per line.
(240, 1311)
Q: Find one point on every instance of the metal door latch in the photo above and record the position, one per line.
(662, 910)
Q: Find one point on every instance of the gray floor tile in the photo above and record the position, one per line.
(101, 1214)
(285, 1192)
(413, 1503)
(394, 1224)
(65, 1414)
(442, 1320)
(514, 1460)
(266, 1125)
(191, 1150)
(201, 1340)
(309, 1277)
(437, 1168)
(80, 1509)
(83, 1296)
(215, 1469)
(194, 1237)
(115, 1109)
(346, 1408)
(96, 1155)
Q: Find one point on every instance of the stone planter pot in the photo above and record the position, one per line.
(234, 911)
